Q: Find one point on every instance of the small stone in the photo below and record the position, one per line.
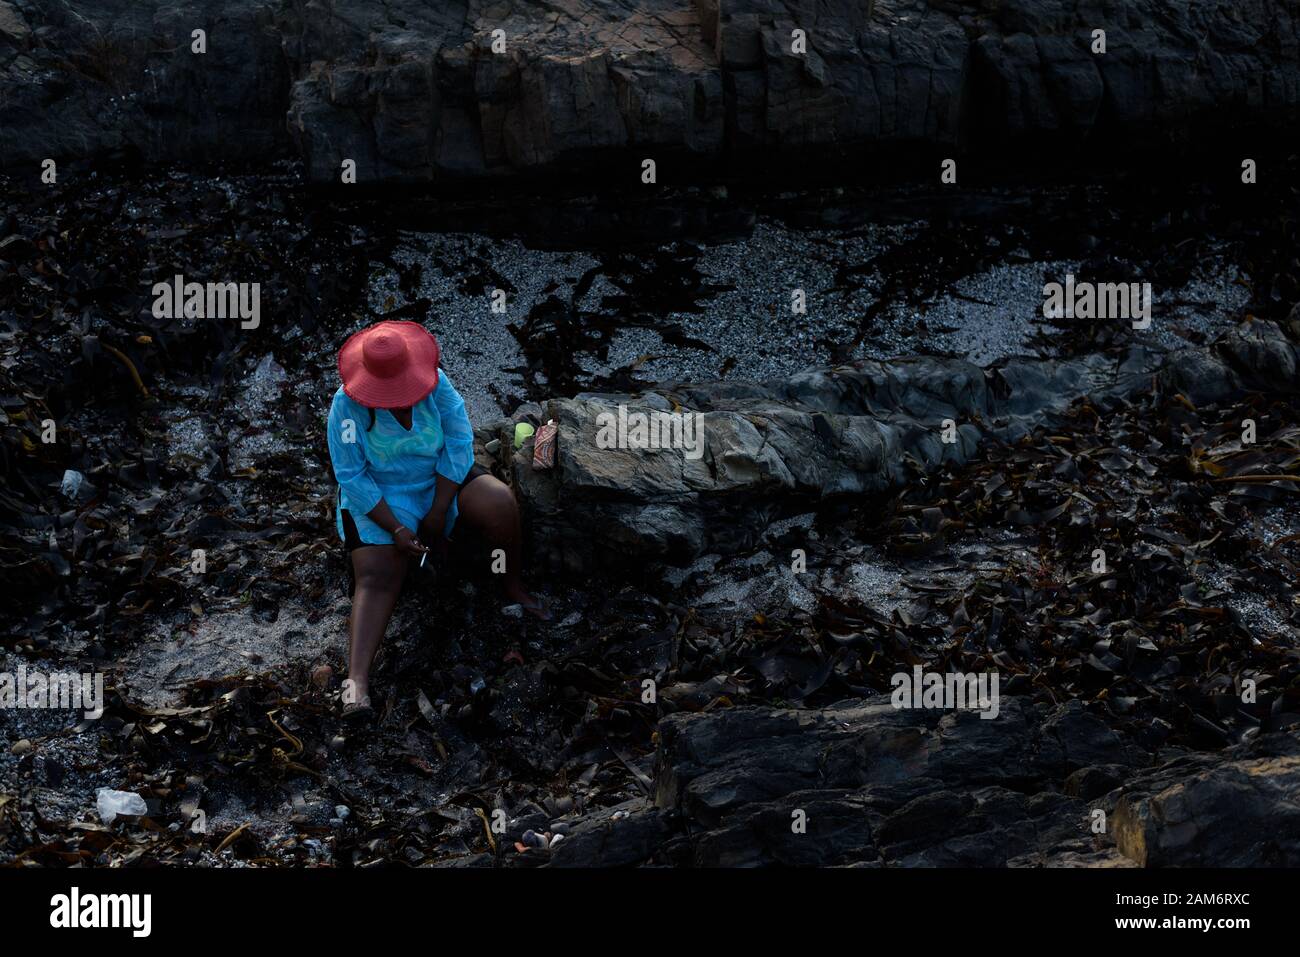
(321, 676)
(20, 747)
(11, 24)
(338, 742)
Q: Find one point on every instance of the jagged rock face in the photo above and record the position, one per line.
(874, 786)
(772, 448)
(413, 91)
(1199, 812)
(880, 786)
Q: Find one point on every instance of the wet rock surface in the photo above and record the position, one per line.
(414, 92)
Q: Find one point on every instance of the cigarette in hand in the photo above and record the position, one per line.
(422, 558)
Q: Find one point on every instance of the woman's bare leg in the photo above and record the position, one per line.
(378, 571)
(489, 507)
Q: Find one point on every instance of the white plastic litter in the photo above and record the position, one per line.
(71, 484)
(111, 803)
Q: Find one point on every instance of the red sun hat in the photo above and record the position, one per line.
(390, 365)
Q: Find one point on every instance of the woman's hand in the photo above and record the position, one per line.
(407, 543)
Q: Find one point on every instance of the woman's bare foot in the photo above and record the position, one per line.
(356, 698)
(516, 594)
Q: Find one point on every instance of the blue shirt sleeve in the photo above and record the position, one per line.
(458, 435)
(346, 431)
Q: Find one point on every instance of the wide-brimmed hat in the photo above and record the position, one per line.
(389, 365)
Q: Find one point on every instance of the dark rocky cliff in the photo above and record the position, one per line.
(414, 92)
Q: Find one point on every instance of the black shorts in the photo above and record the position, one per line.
(352, 540)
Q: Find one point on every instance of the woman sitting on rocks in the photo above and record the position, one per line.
(403, 454)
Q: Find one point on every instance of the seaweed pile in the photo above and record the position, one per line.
(1147, 537)
(90, 375)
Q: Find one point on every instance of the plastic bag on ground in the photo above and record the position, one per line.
(111, 803)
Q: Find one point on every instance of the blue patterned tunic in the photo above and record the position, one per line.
(397, 465)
